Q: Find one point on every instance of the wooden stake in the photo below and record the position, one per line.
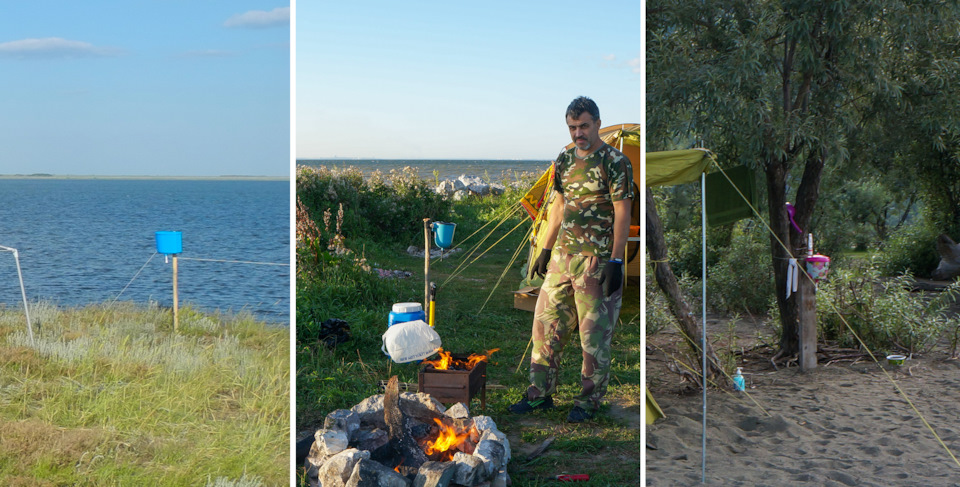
(808, 323)
(175, 306)
(426, 265)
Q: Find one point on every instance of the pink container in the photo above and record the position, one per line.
(818, 266)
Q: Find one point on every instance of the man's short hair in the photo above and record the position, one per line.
(583, 104)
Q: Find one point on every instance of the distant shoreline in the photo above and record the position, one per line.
(145, 178)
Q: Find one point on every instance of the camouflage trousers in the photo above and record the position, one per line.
(572, 295)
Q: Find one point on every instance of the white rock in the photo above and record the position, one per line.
(328, 443)
(343, 420)
(470, 469)
(483, 423)
(336, 471)
(458, 411)
(499, 436)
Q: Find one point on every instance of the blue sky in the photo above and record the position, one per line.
(168, 88)
(460, 80)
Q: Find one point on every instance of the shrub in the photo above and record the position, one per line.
(383, 208)
(742, 279)
(912, 249)
(882, 312)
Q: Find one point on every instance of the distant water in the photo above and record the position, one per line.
(490, 170)
(82, 241)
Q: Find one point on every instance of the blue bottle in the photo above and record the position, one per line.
(738, 383)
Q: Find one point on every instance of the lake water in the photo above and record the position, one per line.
(490, 170)
(83, 241)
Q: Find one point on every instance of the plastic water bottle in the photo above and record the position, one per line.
(738, 384)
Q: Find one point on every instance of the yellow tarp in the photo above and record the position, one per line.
(653, 411)
(669, 168)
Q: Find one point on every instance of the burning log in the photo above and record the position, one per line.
(405, 448)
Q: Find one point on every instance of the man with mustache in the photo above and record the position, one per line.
(581, 264)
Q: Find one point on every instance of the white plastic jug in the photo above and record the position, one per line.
(413, 340)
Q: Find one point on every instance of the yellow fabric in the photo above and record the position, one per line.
(653, 411)
(669, 168)
(533, 200)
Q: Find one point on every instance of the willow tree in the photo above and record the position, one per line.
(781, 86)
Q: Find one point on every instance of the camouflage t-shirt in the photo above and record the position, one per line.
(589, 187)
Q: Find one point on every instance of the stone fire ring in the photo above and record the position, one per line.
(341, 452)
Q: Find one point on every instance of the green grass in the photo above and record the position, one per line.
(112, 396)
(606, 448)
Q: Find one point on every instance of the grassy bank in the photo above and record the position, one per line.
(474, 313)
(112, 396)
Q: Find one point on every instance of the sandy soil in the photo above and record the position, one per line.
(842, 424)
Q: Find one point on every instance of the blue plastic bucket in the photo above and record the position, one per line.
(169, 243)
(404, 312)
(443, 234)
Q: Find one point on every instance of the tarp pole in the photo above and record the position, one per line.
(703, 312)
(23, 292)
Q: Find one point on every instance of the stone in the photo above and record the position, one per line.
(435, 474)
(328, 443)
(460, 195)
(491, 452)
(311, 467)
(458, 411)
(501, 480)
(470, 469)
(497, 189)
(337, 470)
(483, 423)
(419, 406)
(368, 473)
(372, 440)
(479, 188)
(343, 420)
(501, 437)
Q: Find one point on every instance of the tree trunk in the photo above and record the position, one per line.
(667, 281)
(805, 203)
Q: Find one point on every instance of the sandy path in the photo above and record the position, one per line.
(840, 425)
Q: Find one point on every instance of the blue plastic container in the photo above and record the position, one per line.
(404, 312)
(443, 234)
(169, 243)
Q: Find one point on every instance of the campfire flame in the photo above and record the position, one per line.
(448, 439)
(446, 360)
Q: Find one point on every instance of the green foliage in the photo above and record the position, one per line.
(882, 312)
(742, 279)
(912, 249)
(656, 309)
(384, 208)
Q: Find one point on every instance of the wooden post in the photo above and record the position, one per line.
(176, 321)
(808, 323)
(426, 266)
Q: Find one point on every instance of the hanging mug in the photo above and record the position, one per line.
(443, 234)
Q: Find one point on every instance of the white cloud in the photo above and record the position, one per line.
(279, 16)
(610, 57)
(634, 64)
(54, 47)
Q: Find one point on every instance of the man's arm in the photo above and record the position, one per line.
(621, 227)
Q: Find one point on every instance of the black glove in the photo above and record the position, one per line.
(611, 278)
(539, 267)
